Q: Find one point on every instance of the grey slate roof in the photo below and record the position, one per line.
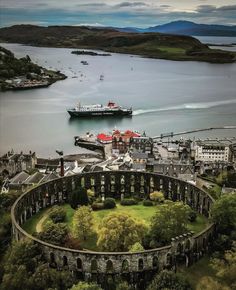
(19, 178)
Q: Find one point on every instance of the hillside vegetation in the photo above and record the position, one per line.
(155, 45)
(23, 73)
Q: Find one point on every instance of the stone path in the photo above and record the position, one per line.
(39, 226)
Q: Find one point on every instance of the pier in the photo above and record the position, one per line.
(172, 134)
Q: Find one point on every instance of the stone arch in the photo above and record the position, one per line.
(187, 246)
(92, 181)
(79, 264)
(52, 258)
(82, 182)
(64, 261)
(94, 266)
(140, 264)
(155, 262)
(109, 267)
(113, 179)
(179, 248)
(168, 259)
(125, 266)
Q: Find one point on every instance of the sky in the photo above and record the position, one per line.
(140, 13)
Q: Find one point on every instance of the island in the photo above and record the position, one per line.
(150, 44)
(91, 53)
(20, 74)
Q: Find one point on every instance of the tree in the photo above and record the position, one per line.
(54, 233)
(82, 223)
(226, 267)
(57, 214)
(78, 197)
(169, 221)
(168, 280)
(119, 231)
(20, 261)
(45, 277)
(224, 213)
(86, 286)
(157, 196)
(208, 283)
(137, 247)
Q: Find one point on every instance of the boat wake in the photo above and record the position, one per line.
(188, 106)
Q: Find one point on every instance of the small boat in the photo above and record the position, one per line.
(111, 109)
(101, 77)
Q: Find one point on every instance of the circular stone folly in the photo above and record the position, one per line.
(187, 248)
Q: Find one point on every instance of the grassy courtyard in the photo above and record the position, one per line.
(139, 211)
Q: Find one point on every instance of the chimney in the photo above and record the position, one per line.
(62, 166)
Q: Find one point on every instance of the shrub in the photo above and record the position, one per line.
(147, 202)
(128, 201)
(57, 214)
(192, 216)
(136, 247)
(109, 203)
(54, 233)
(97, 206)
(157, 196)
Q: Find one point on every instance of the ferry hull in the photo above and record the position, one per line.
(74, 113)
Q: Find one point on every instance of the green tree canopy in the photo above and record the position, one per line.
(157, 196)
(78, 196)
(169, 221)
(86, 286)
(136, 247)
(224, 213)
(167, 280)
(119, 231)
(54, 233)
(57, 214)
(226, 267)
(82, 223)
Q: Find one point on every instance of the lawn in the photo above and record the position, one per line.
(139, 211)
(30, 225)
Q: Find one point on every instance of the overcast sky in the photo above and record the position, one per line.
(116, 13)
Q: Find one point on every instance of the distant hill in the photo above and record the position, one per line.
(187, 28)
(155, 45)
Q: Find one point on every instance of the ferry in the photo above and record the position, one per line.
(111, 109)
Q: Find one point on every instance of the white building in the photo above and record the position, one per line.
(212, 151)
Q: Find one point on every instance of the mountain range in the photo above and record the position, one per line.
(182, 27)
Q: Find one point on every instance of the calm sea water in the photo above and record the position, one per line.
(165, 95)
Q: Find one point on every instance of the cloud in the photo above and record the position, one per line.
(115, 13)
(130, 4)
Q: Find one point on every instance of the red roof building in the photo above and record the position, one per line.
(104, 138)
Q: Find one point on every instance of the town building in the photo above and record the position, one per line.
(212, 151)
(12, 163)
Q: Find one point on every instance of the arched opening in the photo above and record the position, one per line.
(52, 258)
(168, 260)
(94, 266)
(79, 264)
(204, 244)
(52, 262)
(109, 267)
(155, 262)
(65, 261)
(179, 248)
(125, 266)
(82, 182)
(140, 264)
(187, 246)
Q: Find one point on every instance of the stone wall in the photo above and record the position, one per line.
(186, 248)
